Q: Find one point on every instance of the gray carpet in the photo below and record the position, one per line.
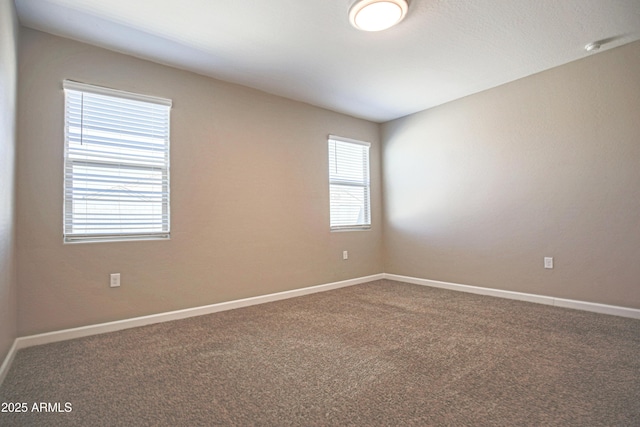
(382, 353)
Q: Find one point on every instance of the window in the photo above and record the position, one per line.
(116, 173)
(349, 184)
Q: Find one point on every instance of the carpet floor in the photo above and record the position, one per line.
(378, 354)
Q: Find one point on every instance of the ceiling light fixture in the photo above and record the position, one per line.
(377, 15)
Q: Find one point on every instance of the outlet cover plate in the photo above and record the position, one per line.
(114, 280)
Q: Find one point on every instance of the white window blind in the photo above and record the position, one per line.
(349, 184)
(116, 180)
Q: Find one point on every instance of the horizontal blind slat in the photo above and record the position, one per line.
(77, 139)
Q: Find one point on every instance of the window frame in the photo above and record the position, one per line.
(365, 184)
(101, 162)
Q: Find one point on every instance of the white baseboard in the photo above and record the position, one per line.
(4, 369)
(84, 331)
(540, 299)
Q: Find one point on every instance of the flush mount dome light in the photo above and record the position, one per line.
(377, 15)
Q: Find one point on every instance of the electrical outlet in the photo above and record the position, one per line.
(548, 262)
(115, 280)
(345, 254)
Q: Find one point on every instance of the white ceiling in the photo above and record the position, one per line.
(306, 49)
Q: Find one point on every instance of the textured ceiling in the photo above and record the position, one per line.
(306, 49)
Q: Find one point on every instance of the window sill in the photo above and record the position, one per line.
(357, 228)
(115, 239)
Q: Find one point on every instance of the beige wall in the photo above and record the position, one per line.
(8, 69)
(249, 196)
(479, 190)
